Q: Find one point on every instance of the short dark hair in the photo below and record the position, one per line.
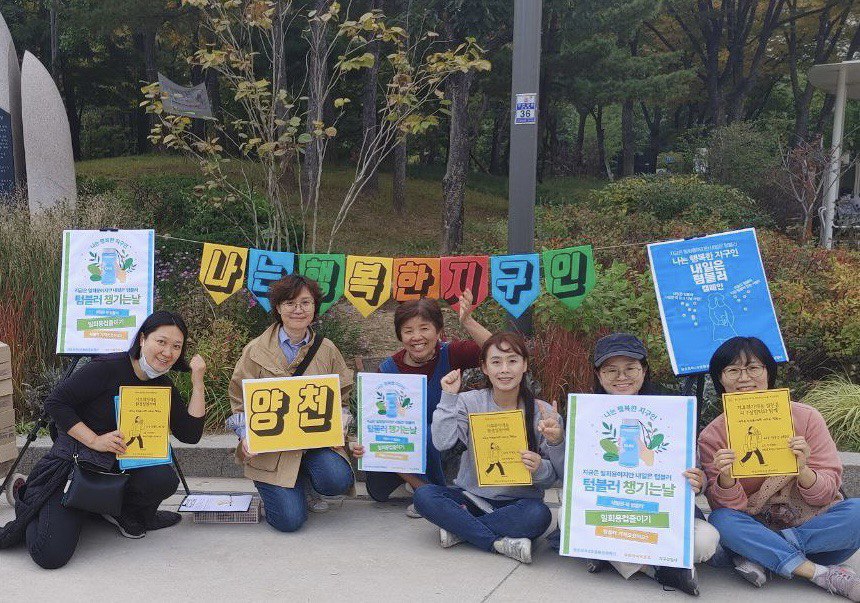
(426, 308)
(162, 318)
(289, 288)
(731, 350)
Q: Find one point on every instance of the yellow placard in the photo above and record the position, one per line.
(222, 270)
(293, 413)
(144, 421)
(367, 284)
(498, 438)
(758, 427)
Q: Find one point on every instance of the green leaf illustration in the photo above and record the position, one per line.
(609, 445)
(127, 264)
(610, 457)
(655, 441)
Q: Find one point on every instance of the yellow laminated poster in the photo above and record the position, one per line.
(758, 427)
(497, 440)
(144, 420)
(293, 413)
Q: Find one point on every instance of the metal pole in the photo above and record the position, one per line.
(522, 170)
(832, 191)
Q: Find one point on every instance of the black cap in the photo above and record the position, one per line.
(618, 344)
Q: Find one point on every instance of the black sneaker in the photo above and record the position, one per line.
(163, 519)
(130, 528)
(677, 577)
(595, 566)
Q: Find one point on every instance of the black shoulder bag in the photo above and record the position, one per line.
(91, 488)
(306, 361)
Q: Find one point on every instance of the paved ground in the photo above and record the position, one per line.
(363, 551)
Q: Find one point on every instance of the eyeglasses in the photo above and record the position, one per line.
(305, 305)
(733, 373)
(613, 373)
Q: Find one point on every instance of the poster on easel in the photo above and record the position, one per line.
(106, 289)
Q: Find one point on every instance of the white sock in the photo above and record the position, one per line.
(819, 570)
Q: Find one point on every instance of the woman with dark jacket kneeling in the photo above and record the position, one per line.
(82, 408)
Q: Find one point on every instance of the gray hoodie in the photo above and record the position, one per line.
(451, 423)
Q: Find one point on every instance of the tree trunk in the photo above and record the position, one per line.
(317, 76)
(368, 107)
(579, 150)
(398, 179)
(459, 143)
(55, 41)
(628, 139)
(601, 141)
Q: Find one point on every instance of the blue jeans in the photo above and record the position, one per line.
(827, 539)
(287, 508)
(450, 510)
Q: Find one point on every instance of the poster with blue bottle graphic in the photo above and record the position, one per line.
(392, 422)
(106, 289)
(625, 497)
(710, 289)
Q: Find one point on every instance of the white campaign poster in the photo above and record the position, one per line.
(624, 497)
(392, 422)
(106, 289)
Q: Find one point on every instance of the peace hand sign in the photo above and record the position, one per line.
(549, 425)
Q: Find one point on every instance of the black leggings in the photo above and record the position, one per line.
(52, 536)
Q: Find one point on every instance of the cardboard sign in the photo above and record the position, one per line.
(106, 289)
(327, 269)
(515, 281)
(498, 438)
(144, 420)
(710, 289)
(758, 427)
(569, 274)
(392, 422)
(415, 278)
(222, 270)
(465, 272)
(293, 413)
(625, 497)
(264, 268)
(368, 282)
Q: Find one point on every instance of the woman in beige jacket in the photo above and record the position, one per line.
(282, 478)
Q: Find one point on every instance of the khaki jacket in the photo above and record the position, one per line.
(262, 358)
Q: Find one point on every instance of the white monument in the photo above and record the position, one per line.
(47, 138)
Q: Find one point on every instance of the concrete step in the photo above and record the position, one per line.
(212, 457)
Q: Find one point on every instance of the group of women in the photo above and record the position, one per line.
(789, 525)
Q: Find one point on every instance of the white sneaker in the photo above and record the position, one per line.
(412, 512)
(752, 572)
(448, 539)
(838, 580)
(519, 549)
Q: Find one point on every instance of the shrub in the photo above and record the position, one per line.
(838, 401)
(711, 207)
(741, 154)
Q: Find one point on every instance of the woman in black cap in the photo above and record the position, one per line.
(621, 368)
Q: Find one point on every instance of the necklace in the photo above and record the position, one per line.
(414, 362)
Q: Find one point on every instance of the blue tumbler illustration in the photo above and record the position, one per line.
(629, 454)
(391, 403)
(109, 260)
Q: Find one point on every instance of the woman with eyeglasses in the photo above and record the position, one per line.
(287, 480)
(621, 369)
(791, 525)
